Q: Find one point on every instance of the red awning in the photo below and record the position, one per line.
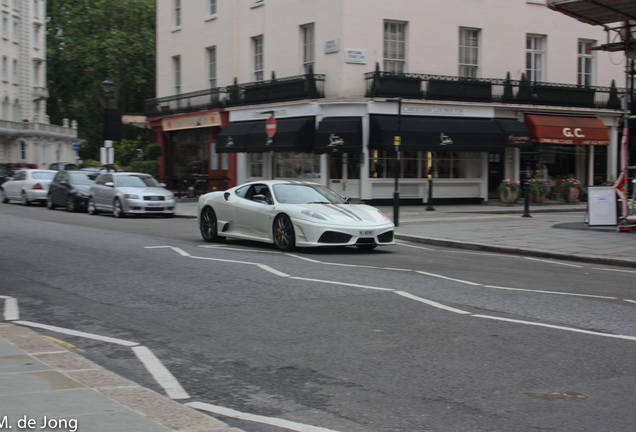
(567, 130)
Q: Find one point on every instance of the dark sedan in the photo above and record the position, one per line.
(70, 189)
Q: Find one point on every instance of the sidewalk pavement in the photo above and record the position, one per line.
(554, 229)
(43, 383)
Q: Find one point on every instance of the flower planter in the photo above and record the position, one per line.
(508, 196)
(537, 198)
(573, 196)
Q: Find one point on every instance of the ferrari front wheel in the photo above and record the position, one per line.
(284, 235)
(208, 226)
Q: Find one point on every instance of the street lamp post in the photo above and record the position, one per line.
(397, 139)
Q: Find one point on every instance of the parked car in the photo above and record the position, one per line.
(63, 166)
(8, 173)
(70, 189)
(128, 193)
(28, 186)
(291, 214)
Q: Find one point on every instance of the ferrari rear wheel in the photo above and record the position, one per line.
(284, 235)
(208, 226)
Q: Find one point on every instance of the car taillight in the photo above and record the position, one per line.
(38, 186)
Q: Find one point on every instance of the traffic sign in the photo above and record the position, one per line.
(270, 126)
(76, 147)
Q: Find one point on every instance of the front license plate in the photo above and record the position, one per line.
(367, 233)
(154, 204)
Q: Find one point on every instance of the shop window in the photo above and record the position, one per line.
(341, 163)
(419, 164)
(297, 165)
(256, 164)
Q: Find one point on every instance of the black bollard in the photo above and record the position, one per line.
(430, 195)
(526, 200)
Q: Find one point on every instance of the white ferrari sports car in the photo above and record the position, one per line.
(291, 214)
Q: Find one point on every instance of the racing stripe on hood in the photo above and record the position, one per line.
(349, 213)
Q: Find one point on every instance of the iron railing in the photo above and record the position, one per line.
(453, 88)
(309, 86)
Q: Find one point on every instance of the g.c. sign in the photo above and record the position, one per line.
(569, 132)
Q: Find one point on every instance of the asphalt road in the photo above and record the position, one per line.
(403, 339)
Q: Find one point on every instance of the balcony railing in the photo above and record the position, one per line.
(309, 86)
(452, 88)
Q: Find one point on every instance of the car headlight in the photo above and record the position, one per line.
(383, 215)
(313, 214)
(132, 196)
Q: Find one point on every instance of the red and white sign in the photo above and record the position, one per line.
(270, 126)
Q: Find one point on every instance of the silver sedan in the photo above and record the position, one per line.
(129, 193)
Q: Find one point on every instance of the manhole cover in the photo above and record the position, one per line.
(558, 396)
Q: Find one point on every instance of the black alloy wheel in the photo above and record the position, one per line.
(284, 234)
(208, 226)
(118, 210)
(49, 202)
(92, 210)
(70, 204)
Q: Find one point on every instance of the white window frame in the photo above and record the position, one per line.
(585, 63)
(469, 58)
(309, 47)
(212, 7)
(177, 13)
(535, 57)
(257, 53)
(211, 60)
(394, 49)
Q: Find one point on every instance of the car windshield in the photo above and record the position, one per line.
(82, 179)
(136, 181)
(43, 175)
(305, 194)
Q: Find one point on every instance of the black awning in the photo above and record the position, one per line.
(232, 137)
(339, 135)
(516, 133)
(437, 134)
(292, 135)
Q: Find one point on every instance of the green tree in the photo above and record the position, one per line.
(89, 41)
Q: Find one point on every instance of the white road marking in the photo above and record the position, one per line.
(549, 292)
(160, 373)
(345, 265)
(227, 412)
(616, 270)
(341, 283)
(553, 262)
(237, 249)
(77, 333)
(447, 278)
(11, 311)
(633, 338)
(631, 301)
(399, 243)
(176, 249)
(223, 260)
(432, 303)
(271, 270)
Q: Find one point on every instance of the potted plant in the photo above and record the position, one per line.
(570, 189)
(538, 188)
(509, 190)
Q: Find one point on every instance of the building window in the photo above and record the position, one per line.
(212, 67)
(297, 165)
(212, 7)
(22, 149)
(16, 110)
(5, 26)
(586, 63)
(308, 47)
(5, 68)
(176, 67)
(468, 53)
(256, 164)
(14, 72)
(258, 58)
(16, 30)
(36, 35)
(36, 8)
(394, 46)
(37, 66)
(177, 13)
(535, 58)
(422, 164)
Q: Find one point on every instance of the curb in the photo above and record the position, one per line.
(515, 251)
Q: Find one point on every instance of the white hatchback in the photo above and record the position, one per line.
(27, 186)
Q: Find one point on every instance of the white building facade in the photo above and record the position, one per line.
(485, 91)
(26, 137)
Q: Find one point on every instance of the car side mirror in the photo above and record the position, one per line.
(109, 184)
(262, 198)
(347, 200)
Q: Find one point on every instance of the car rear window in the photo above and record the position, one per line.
(43, 175)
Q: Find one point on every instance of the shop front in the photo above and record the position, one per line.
(566, 147)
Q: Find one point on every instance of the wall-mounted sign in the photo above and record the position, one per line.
(332, 46)
(191, 122)
(356, 56)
